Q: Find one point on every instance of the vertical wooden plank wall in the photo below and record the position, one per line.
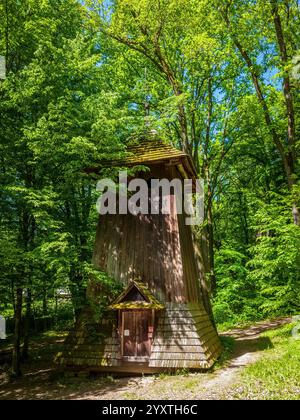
(158, 249)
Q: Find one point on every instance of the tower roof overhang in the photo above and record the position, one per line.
(153, 151)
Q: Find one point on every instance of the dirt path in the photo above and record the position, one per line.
(40, 382)
(249, 346)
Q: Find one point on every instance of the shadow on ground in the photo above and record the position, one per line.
(41, 380)
(250, 340)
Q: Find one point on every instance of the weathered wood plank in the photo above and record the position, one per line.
(177, 349)
(177, 364)
(178, 356)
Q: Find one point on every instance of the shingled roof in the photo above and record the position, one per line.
(152, 150)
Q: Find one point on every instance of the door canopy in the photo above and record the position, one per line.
(136, 296)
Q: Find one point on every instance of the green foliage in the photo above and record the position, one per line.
(58, 116)
(78, 76)
(232, 274)
(275, 263)
(236, 293)
(104, 289)
(264, 280)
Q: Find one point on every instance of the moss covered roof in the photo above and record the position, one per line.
(150, 301)
(137, 305)
(152, 150)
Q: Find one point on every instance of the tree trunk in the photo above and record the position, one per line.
(205, 290)
(289, 104)
(210, 240)
(78, 292)
(12, 294)
(288, 157)
(16, 357)
(209, 231)
(45, 309)
(25, 354)
(244, 220)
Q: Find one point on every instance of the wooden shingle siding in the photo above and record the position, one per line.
(185, 338)
(91, 344)
(193, 344)
(172, 364)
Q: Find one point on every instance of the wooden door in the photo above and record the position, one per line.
(143, 343)
(129, 334)
(135, 333)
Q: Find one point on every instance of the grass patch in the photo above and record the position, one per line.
(276, 376)
(226, 326)
(233, 324)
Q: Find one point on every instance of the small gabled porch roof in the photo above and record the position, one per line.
(149, 302)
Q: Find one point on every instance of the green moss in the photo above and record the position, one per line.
(150, 303)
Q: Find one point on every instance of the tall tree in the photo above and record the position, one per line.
(236, 15)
